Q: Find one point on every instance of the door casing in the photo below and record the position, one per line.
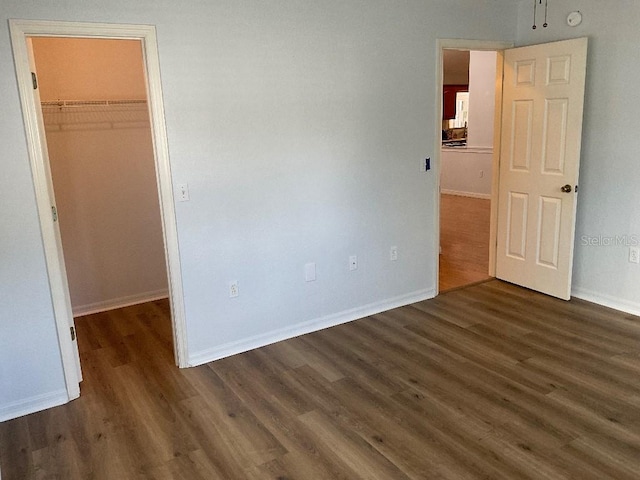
(460, 44)
(22, 29)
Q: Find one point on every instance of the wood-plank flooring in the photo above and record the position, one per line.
(464, 241)
(487, 382)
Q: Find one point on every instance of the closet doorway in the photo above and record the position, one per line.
(96, 120)
(109, 170)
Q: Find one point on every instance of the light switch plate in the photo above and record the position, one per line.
(310, 272)
(183, 192)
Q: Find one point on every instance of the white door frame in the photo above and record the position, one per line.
(20, 30)
(461, 44)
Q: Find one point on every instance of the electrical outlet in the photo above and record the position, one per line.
(234, 291)
(353, 262)
(393, 253)
(634, 254)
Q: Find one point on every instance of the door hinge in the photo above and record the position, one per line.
(54, 213)
(73, 333)
(34, 80)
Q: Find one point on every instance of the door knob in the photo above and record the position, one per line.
(566, 188)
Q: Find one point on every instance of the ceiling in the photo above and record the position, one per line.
(455, 67)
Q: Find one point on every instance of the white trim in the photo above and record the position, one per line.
(461, 44)
(167, 210)
(495, 167)
(487, 150)
(257, 341)
(33, 404)
(484, 196)
(121, 302)
(41, 179)
(616, 303)
(20, 31)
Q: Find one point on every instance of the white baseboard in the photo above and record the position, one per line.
(607, 300)
(233, 348)
(121, 302)
(469, 150)
(33, 404)
(484, 196)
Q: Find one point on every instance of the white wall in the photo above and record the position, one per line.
(299, 127)
(103, 172)
(609, 197)
(482, 98)
(467, 171)
(109, 214)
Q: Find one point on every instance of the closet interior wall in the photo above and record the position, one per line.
(102, 164)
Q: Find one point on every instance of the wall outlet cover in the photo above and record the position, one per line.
(234, 290)
(310, 272)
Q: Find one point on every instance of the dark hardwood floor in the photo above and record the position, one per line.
(486, 382)
(464, 241)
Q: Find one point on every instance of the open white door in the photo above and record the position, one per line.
(543, 96)
(59, 291)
